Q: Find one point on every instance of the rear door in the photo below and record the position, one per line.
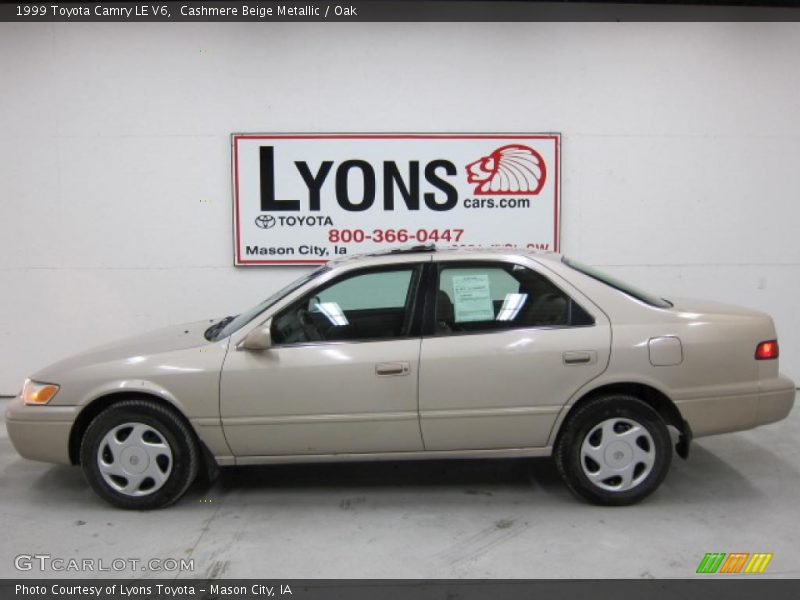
(507, 348)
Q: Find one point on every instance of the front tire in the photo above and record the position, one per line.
(138, 454)
(614, 451)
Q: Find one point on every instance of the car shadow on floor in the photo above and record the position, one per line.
(712, 476)
(473, 477)
(704, 476)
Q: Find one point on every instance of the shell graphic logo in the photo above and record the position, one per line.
(512, 169)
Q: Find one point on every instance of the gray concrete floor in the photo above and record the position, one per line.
(464, 519)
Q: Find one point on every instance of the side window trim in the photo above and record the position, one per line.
(413, 294)
(429, 286)
(420, 303)
(437, 267)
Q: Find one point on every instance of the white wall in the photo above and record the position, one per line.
(681, 145)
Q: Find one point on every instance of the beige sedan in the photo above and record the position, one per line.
(414, 354)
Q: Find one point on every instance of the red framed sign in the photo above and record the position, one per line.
(303, 199)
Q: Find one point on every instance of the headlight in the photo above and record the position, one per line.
(34, 393)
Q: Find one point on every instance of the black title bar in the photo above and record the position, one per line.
(389, 10)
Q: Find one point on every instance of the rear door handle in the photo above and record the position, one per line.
(579, 357)
(392, 368)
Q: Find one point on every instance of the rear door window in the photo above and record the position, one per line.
(483, 297)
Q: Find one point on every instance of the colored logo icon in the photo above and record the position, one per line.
(512, 169)
(735, 562)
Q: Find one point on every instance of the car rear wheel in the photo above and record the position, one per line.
(615, 450)
(138, 454)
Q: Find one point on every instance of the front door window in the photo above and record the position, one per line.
(372, 305)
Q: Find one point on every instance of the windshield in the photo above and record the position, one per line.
(228, 325)
(615, 283)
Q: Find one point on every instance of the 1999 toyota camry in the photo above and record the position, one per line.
(410, 354)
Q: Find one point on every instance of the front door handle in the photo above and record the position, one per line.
(392, 368)
(578, 357)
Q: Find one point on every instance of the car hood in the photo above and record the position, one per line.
(167, 339)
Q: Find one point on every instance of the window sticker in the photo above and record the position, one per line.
(473, 298)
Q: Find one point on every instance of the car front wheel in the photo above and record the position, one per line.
(615, 450)
(138, 454)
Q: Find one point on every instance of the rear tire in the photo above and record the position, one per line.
(615, 450)
(139, 455)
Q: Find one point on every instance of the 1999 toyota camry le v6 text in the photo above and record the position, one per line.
(408, 354)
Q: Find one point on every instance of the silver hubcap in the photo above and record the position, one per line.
(134, 459)
(617, 454)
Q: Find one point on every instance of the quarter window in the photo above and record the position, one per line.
(500, 296)
(365, 306)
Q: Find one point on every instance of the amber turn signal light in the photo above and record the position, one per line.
(34, 393)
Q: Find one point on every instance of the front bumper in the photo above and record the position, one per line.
(40, 432)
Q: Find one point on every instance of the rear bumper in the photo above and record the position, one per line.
(40, 432)
(776, 399)
(711, 415)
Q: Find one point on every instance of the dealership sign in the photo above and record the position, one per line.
(310, 198)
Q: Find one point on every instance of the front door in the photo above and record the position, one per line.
(341, 376)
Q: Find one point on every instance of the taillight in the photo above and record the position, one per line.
(767, 350)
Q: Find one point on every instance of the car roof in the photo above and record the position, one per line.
(543, 254)
(396, 254)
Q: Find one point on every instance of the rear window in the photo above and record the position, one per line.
(615, 283)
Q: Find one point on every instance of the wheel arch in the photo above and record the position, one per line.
(655, 398)
(104, 401)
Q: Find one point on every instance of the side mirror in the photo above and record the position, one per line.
(259, 338)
